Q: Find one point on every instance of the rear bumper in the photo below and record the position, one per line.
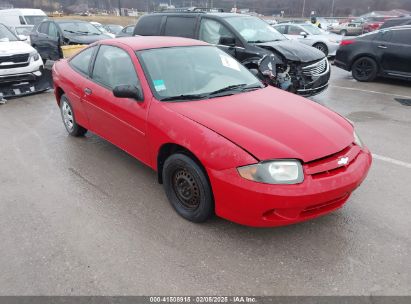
(262, 205)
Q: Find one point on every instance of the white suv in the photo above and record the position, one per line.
(19, 64)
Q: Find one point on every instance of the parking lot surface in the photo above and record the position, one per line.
(78, 216)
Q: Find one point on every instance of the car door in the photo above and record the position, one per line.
(396, 52)
(121, 121)
(294, 32)
(53, 41)
(39, 39)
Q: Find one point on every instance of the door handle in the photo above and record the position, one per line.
(88, 91)
(382, 47)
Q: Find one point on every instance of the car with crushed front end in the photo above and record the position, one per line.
(49, 36)
(276, 60)
(21, 67)
(221, 141)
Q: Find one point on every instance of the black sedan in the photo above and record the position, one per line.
(48, 36)
(384, 53)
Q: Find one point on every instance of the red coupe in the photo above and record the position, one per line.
(221, 142)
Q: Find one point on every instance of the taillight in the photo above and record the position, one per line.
(347, 42)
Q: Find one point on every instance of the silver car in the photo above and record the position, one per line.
(347, 29)
(311, 35)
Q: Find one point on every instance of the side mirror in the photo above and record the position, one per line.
(227, 41)
(22, 38)
(128, 91)
(304, 34)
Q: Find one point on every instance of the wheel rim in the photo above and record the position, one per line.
(67, 116)
(321, 47)
(186, 189)
(363, 68)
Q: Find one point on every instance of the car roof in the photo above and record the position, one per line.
(196, 13)
(67, 21)
(139, 43)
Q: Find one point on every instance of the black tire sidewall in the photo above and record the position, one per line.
(372, 76)
(206, 208)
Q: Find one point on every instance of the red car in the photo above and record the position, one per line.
(221, 142)
(374, 23)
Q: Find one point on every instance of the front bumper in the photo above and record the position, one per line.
(262, 205)
(310, 85)
(22, 81)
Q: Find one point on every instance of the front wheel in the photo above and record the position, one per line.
(322, 47)
(187, 188)
(364, 69)
(343, 32)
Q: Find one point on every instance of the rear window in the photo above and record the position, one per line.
(180, 26)
(148, 26)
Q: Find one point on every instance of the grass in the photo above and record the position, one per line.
(121, 20)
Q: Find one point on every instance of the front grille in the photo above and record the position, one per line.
(13, 66)
(19, 58)
(317, 69)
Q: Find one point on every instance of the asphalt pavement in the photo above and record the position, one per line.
(79, 216)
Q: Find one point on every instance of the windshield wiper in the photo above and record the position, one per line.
(242, 87)
(184, 97)
(264, 41)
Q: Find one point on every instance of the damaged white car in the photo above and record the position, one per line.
(21, 68)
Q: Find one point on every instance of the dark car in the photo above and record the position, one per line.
(48, 36)
(385, 53)
(396, 22)
(277, 61)
(113, 28)
(127, 31)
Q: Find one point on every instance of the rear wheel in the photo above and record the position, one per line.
(187, 188)
(322, 47)
(364, 69)
(67, 114)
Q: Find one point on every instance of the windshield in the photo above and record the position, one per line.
(6, 35)
(254, 30)
(101, 28)
(115, 29)
(79, 28)
(196, 72)
(25, 31)
(313, 30)
(33, 20)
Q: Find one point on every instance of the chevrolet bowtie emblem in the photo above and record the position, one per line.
(343, 161)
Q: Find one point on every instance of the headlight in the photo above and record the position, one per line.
(287, 171)
(357, 140)
(35, 56)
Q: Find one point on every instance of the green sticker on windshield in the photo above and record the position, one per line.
(159, 85)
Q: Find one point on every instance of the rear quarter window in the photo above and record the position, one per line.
(148, 26)
(180, 26)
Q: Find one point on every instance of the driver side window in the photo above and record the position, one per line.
(294, 30)
(211, 31)
(53, 32)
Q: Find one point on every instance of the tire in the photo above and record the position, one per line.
(343, 32)
(69, 121)
(187, 188)
(322, 47)
(364, 69)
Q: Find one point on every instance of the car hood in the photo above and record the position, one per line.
(83, 39)
(15, 47)
(293, 50)
(272, 124)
